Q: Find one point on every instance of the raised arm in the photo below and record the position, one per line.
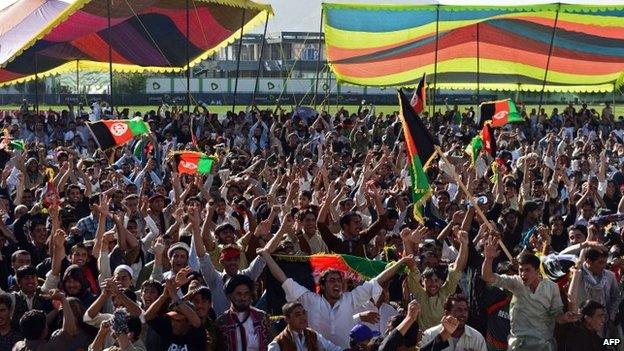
(276, 271)
(200, 249)
(154, 309)
(462, 258)
(70, 326)
(387, 274)
(490, 251)
(182, 306)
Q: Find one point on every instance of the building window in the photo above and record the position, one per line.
(310, 53)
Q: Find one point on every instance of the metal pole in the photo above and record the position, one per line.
(435, 66)
(478, 69)
(36, 86)
(188, 62)
(318, 59)
(256, 86)
(240, 49)
(552, 41)
(613, 100)
(78, 78)
(110, 56)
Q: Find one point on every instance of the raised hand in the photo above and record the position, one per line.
(59, 239)
(413, 309)
(491, 248)
(158, 247)
(462, 237)
(182, 277)
(263, 229)
(450, 324)
(371, 317)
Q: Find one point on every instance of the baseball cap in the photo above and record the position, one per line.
(361, 333)
(178, 245)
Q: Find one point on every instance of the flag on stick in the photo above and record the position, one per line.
(420, 152)
(192, 162)
(419, 99)
(499, 112)
(115, 132)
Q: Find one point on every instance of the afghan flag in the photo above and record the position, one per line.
(420, 152)
(489, 142)
(499, 112)
(115, 132)
(419, 99)
(306, 270)
(193, 162)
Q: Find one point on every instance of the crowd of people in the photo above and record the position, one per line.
(132, 255)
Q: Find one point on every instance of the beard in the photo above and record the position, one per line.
(240, 306)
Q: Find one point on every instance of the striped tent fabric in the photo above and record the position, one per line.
(52, 36)
(393, 45)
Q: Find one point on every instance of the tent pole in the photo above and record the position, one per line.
(318, 59)
(36, 85)
(188, 62)
(478, 69)
(78, 78)
(550, 50)
(256, 86)
(435, 65)
(110, 57)
(613, 100)
(240, 49)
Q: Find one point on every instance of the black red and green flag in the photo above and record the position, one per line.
(419, 145)
(500, 112)
(115, 132)
(489, 141)
(306, 271)
(193, 162)
(419, 99)
(485, 140)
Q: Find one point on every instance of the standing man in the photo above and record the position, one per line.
(598, 284)
(535, 305)
(242, 327)
(453, 334)
(331, 311)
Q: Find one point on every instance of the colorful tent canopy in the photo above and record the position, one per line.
(147, 35)
(502, 47)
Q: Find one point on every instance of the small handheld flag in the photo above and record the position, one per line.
(499, 112)
(116, 132)
(419, 99)
(192, 162)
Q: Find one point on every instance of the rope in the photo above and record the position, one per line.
(201, 25)
(293, 66)
(148, 33)
(310, 89)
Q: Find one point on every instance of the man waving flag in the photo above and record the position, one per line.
(420, 152)
(419, 99)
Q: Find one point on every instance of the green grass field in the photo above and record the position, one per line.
(222, 109)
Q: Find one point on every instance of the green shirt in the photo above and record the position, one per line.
(532, 314)
(432, 307)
